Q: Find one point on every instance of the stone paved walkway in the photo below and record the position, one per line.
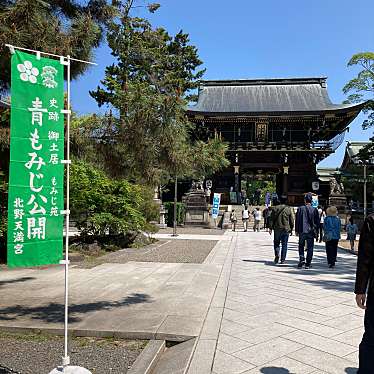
(249, 315)
(278, 319)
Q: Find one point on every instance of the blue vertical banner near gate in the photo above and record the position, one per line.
(216, 204)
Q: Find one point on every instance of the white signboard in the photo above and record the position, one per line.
(315, 186)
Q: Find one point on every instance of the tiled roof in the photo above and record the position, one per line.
(265, 95)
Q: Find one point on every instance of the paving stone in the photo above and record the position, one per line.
(283, 365)
(345, 323)
(232, 328)
(325, 362)
(233, 315)
(225, 363)
(264, 333)
(260, 354)
(318, 342)
(312, 327)
(212, 324)
(338, 310)
(298, 305)
(202, 360)
(305, 315)
(353, 357)
(179, 327)
(194, 306)
(230, 344)
(352, 337)
(175, 359)
(261, 320)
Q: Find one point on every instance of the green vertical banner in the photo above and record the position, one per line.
(36, 175)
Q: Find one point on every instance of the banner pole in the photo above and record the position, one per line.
(12, 48)
(66, 358)
(66, 61)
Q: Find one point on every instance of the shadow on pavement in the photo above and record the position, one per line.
(345, 275)
(351, 370)
(274, 370)
(54, 312)
(268, 263)
(16, 280)
(287, 264)
(279, 370)
(345, 271)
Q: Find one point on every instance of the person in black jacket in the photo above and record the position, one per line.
(307, 222)
(281, 220)
(364, 290)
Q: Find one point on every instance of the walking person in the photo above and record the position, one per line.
(281, 221)
(352, 231)
(266, 215)
(244, 196)
(233, 219)
(245, 217)
(307, 222)
(257, 219)
(322, 215)
(257, 197)
(364, 290)
(331, 236)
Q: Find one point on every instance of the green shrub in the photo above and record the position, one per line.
(181, 213)
(103, 206)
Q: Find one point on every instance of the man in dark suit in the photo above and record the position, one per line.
(307, 221)
(364, 291)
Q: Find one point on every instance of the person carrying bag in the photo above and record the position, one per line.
(233, 219)
(331, 228)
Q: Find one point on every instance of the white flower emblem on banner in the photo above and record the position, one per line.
(28, 72)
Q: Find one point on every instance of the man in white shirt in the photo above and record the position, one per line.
(245, 217)
(257, 219)
(322, 216)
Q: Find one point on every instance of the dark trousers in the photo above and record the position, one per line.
(332, 251)
(367, 343)
(309, 240)
(320, 232)
(281, 237)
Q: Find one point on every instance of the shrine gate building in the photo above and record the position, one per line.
(278, 128)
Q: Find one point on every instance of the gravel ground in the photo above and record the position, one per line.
(192, 230)
(174, 251)
(34, 354)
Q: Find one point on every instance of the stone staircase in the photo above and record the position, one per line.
(239, 224)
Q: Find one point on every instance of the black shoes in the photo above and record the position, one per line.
(283, 261)
(302, 263)
(276, 259)
(331, 266)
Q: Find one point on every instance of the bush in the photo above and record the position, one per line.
(103, 206)
(181, 213)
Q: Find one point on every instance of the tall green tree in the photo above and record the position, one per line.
(361, 88)
(57, 26)
(149, 86)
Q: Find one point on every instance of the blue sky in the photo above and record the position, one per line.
(263, 39)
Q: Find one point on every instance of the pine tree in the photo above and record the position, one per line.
(149, 86)
(57, 26)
